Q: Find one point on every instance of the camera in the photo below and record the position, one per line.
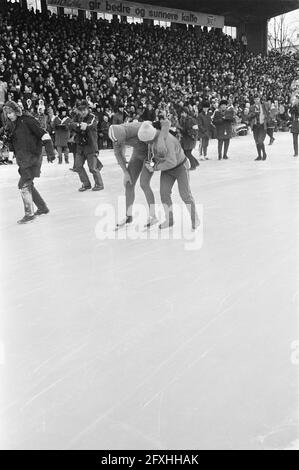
(82, 138)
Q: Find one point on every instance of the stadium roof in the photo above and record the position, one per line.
(234, 11)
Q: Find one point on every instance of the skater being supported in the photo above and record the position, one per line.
(168, 157)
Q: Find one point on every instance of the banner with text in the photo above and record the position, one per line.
(140, 10)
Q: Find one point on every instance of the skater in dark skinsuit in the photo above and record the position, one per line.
(123, 135)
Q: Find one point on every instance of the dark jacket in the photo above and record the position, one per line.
(87, 141)
(26, 140)
(205, 126)
(223, 121)
(254, 115)
(295, 119)
(188, 134)
(62, 131)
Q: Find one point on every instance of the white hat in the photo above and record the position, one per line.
(146, 132)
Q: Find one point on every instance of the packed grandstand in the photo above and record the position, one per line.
(56, 61)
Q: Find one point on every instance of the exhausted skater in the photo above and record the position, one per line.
(168, 157)
(86, 139)
(258, 117)
(123, 135)
(223, 121)
(27, 139)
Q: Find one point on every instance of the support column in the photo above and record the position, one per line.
(60, 11)
(3, 5)
(43, 5)
(23, 4)
(257, 36)
(81, 14)
(123, 19)
(148, 22)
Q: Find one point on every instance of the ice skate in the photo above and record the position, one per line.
(124, 222)
(195, 225)
(166, 224)
(152, 220)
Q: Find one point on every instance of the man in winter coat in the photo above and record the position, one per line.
(258, 118)
(127, 135)
(295, 127)
(60, 124)
(223, 120)
(27, 139)
(271, 122)
(205, 128)
(187, 127)
(86, 140)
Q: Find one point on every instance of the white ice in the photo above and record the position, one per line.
(142, 344)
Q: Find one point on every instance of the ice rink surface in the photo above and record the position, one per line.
(142, 344)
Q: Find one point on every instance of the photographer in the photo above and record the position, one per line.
(86, 140)
(26, 137)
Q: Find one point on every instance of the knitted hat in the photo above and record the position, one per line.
(223, 102)
(146, 132)
(12, 106)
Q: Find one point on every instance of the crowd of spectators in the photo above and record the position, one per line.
(130, 71)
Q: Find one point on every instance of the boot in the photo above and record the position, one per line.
(26, 219)
(59, 160)
(42, 211)
(84, 188)
(97, 187)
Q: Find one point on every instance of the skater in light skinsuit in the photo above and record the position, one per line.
(169, 158)
(123, 135)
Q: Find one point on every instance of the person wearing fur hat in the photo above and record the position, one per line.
(223, 120)
(123, 135)
(86, 139)
(168, 157)
(205, 128)
(258, 118)
(27, 139)
(60, 125)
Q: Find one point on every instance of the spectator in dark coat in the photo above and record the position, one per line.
(295, 127)
(205, 128)
(188, 129)
(223, 120)
(86, 139)
(258, 116)
(27, 138)
(103, 129)
(60, 125)
(148, 114)
(119, 117)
